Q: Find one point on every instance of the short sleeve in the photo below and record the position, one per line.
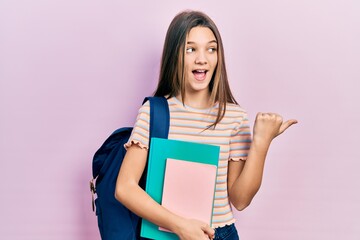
(140, 132)
(240, 139)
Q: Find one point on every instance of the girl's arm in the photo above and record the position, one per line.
(244, 178)
(131, 195)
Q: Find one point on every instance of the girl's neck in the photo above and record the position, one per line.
(197, 100)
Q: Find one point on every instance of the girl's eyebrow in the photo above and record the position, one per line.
(212, 41)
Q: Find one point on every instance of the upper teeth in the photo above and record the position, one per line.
(200, 70)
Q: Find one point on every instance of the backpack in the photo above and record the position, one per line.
(115, 221)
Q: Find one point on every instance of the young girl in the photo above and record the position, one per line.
(202, 109)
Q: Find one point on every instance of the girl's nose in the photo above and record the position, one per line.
(200, 58)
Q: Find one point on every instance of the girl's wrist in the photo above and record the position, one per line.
(261, 143)
(178, 225)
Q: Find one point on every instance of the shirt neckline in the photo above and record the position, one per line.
(189, 108)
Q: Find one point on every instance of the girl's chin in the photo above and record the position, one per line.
(199, 86)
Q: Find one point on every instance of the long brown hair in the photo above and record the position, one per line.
(171, 79)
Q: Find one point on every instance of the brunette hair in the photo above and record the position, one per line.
(171, 78)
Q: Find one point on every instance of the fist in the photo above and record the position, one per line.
(270, 125)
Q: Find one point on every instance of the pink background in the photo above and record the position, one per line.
(72, 71)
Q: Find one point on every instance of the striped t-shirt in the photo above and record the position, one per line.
(232, 134)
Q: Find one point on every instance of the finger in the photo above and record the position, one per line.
(268, 115)
(207, 237)
(287, 124)
(209, 231)
(263, 114)
(258, 115)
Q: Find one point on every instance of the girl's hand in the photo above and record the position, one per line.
(192, 229)
(270, 125)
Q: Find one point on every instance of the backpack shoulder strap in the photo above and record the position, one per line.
(159, 117)
(159, 124)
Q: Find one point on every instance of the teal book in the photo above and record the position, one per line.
(160, 151)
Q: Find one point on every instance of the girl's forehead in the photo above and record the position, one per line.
(200, 35)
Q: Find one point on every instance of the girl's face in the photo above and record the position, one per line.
(200, 59)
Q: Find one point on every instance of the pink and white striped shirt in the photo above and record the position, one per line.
(232, 134)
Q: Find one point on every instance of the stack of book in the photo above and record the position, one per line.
(181, 177)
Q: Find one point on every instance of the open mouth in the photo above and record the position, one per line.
(200, 74)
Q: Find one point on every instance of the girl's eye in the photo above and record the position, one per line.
(190, 50)
(212, 49)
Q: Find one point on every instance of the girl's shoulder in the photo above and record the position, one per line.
(235, 114)
(235, 109)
